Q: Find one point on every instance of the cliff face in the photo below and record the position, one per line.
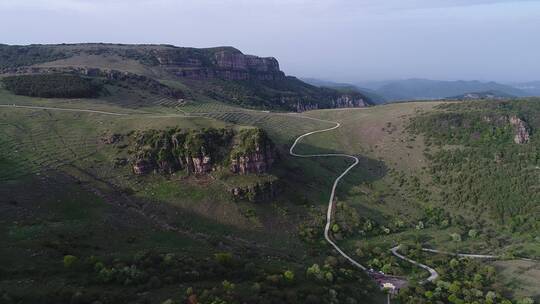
(255, 153)
(202, 151)
(227, 64)
(340, 101)
(521, 130)
(350, 101)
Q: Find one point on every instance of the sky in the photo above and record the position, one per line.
(339, 40)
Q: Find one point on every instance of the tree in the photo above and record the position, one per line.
(288, 276)
(456, 237)
(69, 260)
(525, 301)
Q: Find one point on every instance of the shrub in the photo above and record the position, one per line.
(223, 258)
(69, 260)
(288, 275)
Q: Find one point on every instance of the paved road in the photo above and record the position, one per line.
(329, 212)
(433, 275)
(463, 255)
(64, 109)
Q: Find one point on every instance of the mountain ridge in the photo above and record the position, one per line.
(221, 73)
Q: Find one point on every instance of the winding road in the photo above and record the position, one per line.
(433, 275)
(330, 210)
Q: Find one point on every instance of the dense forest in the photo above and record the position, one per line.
(52, 86)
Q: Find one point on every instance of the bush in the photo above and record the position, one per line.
(288, 276)
(69, 260)
(224, 258)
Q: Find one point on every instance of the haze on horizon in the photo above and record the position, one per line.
(340, 40)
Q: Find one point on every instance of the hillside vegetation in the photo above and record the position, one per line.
(52, 86)
(490, 170)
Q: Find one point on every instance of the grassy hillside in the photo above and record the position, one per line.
(104, 234)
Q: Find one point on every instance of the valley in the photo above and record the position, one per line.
(213, 179)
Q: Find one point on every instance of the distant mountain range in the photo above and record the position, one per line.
(423, 89)
(418, 89)
(531, 88)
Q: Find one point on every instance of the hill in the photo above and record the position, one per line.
(532, 88)
(222, 74)
(370, 94)
(482, 95)
(424, 89)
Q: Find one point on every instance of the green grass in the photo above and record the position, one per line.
(520, 276)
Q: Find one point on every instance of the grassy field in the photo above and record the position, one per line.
(521, 276)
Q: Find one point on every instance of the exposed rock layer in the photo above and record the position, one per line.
(202, 151)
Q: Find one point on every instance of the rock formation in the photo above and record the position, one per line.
(255, 153)
(223, 63)
(258, 192)
(350, 101)
(202, 151)
(521, 130)
(199, 164)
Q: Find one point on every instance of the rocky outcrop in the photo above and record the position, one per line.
(222, 63)
(258, 192)
(199, 164)
(142, 167)
(257, 162)
(343, 101)
(255, 153)
(202, 151)
(350, 101)
(521, 130)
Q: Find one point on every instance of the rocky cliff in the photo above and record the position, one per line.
(255, 152)
(520, 127)
(521, 130)
(202, 151)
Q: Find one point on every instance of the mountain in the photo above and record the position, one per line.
(420, 89)
(482, 95)
(221, 73)
(532, 88)
(370, 94)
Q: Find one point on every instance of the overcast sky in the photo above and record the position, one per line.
(342, 40)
